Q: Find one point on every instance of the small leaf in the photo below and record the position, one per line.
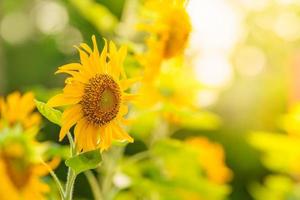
(85, 161)
(55, 150)
(51, 114)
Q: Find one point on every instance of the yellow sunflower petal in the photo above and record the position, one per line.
(69, 118)
(130, 97)
(82, 76)
(126, 121)
(74, 90)
(105, 137)
(32, 120)
(127, 83)
(95, 61)
(123, 110)
(91, 138)
(84, 58)
(96, 51)
(69, 67)
(120, 134)
(13, 102)
(79, 133)
(112, 48)
(86, 48)
(26, 104)
(62, 100)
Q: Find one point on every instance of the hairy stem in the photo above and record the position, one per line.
(71, 173)
(70, 184)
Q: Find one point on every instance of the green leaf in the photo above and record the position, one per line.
(85, 161)
(51, 114)
(54, 149)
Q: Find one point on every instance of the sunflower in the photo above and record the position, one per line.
(20, 168)
(169, 89)
(168, 32)
(95, 96)
(211, 158)
(18, 109)
(172, 86)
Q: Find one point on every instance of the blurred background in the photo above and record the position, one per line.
(246, 54)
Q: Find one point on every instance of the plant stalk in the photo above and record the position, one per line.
(71, 173)
(94, 185)
(70, 184)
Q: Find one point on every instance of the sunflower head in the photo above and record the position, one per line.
(20, 169)
(17, 109)
(95, 96)
(168, 32)
(174, 88)
(176, 32)
(16, 155)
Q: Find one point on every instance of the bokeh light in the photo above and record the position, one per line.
(16, 28)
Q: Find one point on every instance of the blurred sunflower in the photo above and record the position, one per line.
(20, 168)
(18, 109)
(168, 30)
(96, 95)
(169, 89)
(212, 159)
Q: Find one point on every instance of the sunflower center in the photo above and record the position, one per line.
(101, 99)
(17, 170)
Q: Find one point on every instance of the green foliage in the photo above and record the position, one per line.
(17, 136)
(85, 161)
(51, 114)
(171, 173)
(144, 123)
(54, 149)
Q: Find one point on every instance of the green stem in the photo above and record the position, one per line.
(71, 173)
(137, 157)
(72, 144)
(108, 179)
(60, 188)
(55, 178)
(94, 185)
(70, 184)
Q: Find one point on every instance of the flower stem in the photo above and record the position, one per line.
(94, 185)
(70, 184)
(55, 178)
(71, 173)
(72, 144)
